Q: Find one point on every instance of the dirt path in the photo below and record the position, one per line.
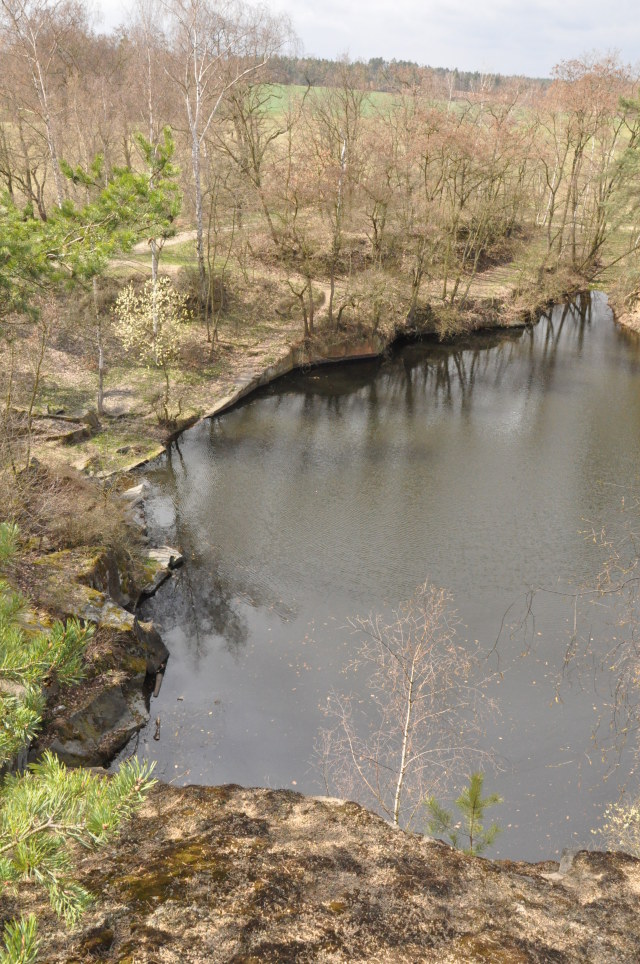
(142, 247)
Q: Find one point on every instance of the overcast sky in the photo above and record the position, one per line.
(497, 36)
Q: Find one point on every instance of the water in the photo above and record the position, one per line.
(337, 492)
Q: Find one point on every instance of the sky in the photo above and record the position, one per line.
(494, 36)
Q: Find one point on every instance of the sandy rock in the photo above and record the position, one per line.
(160, 563)
(224, 874)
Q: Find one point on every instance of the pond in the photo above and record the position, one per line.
(482, 466)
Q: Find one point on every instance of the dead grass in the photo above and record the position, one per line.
(258, 325)
(57, 508)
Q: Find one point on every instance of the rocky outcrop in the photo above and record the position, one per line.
(213, 874)
(99, 727)
(89, 724)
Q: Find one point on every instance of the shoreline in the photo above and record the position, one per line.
(112, 714)
(300, 356)
(105, 716)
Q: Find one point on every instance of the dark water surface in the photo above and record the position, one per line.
(336, 492)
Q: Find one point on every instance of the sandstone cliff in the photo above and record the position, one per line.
(225, 874)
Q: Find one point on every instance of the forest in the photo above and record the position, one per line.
(387, 191)
(190, 207)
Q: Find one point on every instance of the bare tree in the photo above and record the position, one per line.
(417, 730)
(215, 45)
(332, 150)
(38, 29)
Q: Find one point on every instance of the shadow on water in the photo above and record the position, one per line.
(479, 465)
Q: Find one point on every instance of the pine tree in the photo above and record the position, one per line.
(75, 242)
(472, 806)
(49, 807)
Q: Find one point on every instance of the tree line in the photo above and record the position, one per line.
(381, 74)
(385, 203)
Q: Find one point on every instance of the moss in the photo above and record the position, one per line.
(337, 906)
(98, 940)
(83, 563)
(178, 864)
(134, 665)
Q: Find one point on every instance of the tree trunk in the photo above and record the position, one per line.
(100, 345)
(155, 258)
(202, 270)
(405, 742)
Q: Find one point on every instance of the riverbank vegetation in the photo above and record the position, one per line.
(386, 197)
(183, 201)
(46, 810)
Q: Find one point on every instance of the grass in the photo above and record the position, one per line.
(72, 398)
(255, 331)
(283, 96)
(251, 337)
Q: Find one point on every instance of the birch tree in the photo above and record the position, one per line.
(37, 29)
(417, 730)
(215, 44)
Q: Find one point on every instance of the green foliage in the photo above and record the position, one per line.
(20, 941)
(23, 257)
(149, 324)
(149, 320)
(8, 542)
(49, 807)
(28, 661)
(44, 810)
(472, 806)
(162, 193)
(76, 242)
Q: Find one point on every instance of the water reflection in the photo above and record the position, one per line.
(479, 466)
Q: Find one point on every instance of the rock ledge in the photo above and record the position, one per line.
(224, 874)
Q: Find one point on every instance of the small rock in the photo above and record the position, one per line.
(137, 493)
(166, 556)
(135, 517)
(165, 560)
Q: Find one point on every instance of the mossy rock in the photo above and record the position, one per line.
(178, 863)
(96, 730)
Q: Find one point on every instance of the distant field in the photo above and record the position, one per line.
(284, 95)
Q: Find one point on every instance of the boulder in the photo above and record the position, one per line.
(100, 727)
(152, 648)
(226, 874)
